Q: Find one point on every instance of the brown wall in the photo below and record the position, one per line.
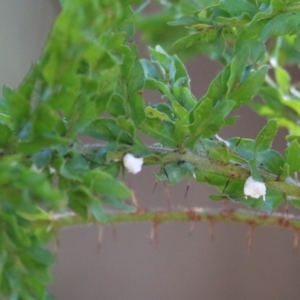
(180, 266)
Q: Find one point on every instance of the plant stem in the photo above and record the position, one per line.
(164, 156)
(181, 214)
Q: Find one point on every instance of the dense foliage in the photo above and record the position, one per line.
(89, 81)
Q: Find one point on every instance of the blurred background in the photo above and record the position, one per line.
(183, 264)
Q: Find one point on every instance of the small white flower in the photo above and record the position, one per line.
(254, 188)
(132, 163)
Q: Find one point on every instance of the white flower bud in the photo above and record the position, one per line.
(132, 164)
(254, 188)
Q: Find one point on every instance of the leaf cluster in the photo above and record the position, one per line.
(91, 81)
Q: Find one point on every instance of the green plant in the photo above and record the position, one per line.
(90, 80)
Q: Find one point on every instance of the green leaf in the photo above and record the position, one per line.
(153, 84)
(217, 197)
(126, 125)
(116, 105)
(46, 121)
(154, 113)
(181, 112)
(237, 8)
(137, 106)
(183, 95)
(244, 92)
(103, 183)
(237, 66)
(280, 25)
(265, 137)
(160, 130)
(181, 131)
(150, 70)
(250, 36)
(5, 135)
(74, 167)
(186, 20)
(98, 211)
(271, 161)
(297, 41)
(41, 255)
(176, 172)
(292, 155)
(118, 204)
(283, 79)
(219, 152)
(207, 120)
(201, 114)
(243, 148)
(42, 159)
(254, 170)
(218, 87)
(285, 171)
(159, 56)
(273, 200)
(181, 71)
(189, 40)
(18, 106)
(107, 130)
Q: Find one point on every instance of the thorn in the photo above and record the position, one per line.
(133, 199)
(186, 191)
(168, 196)
(155, 185)
(250, 235)
(153, 234)
(165, 171)
(114, 232)
(100, 238)
(226, 185)
(286, 209)
(238, 142)
(207, 179)
(296, 239)
(192, 227)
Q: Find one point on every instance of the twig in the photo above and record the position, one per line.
(180, 214)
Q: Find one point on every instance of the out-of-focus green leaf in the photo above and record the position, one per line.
(107, 130)
(282, 24)
(265, 137)
(283, 79)
(292, 155)
(174, 173)
(98, 211)
(118, 204)
(5, 135)
(103, 183)
(116, 105)
(42, 159)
